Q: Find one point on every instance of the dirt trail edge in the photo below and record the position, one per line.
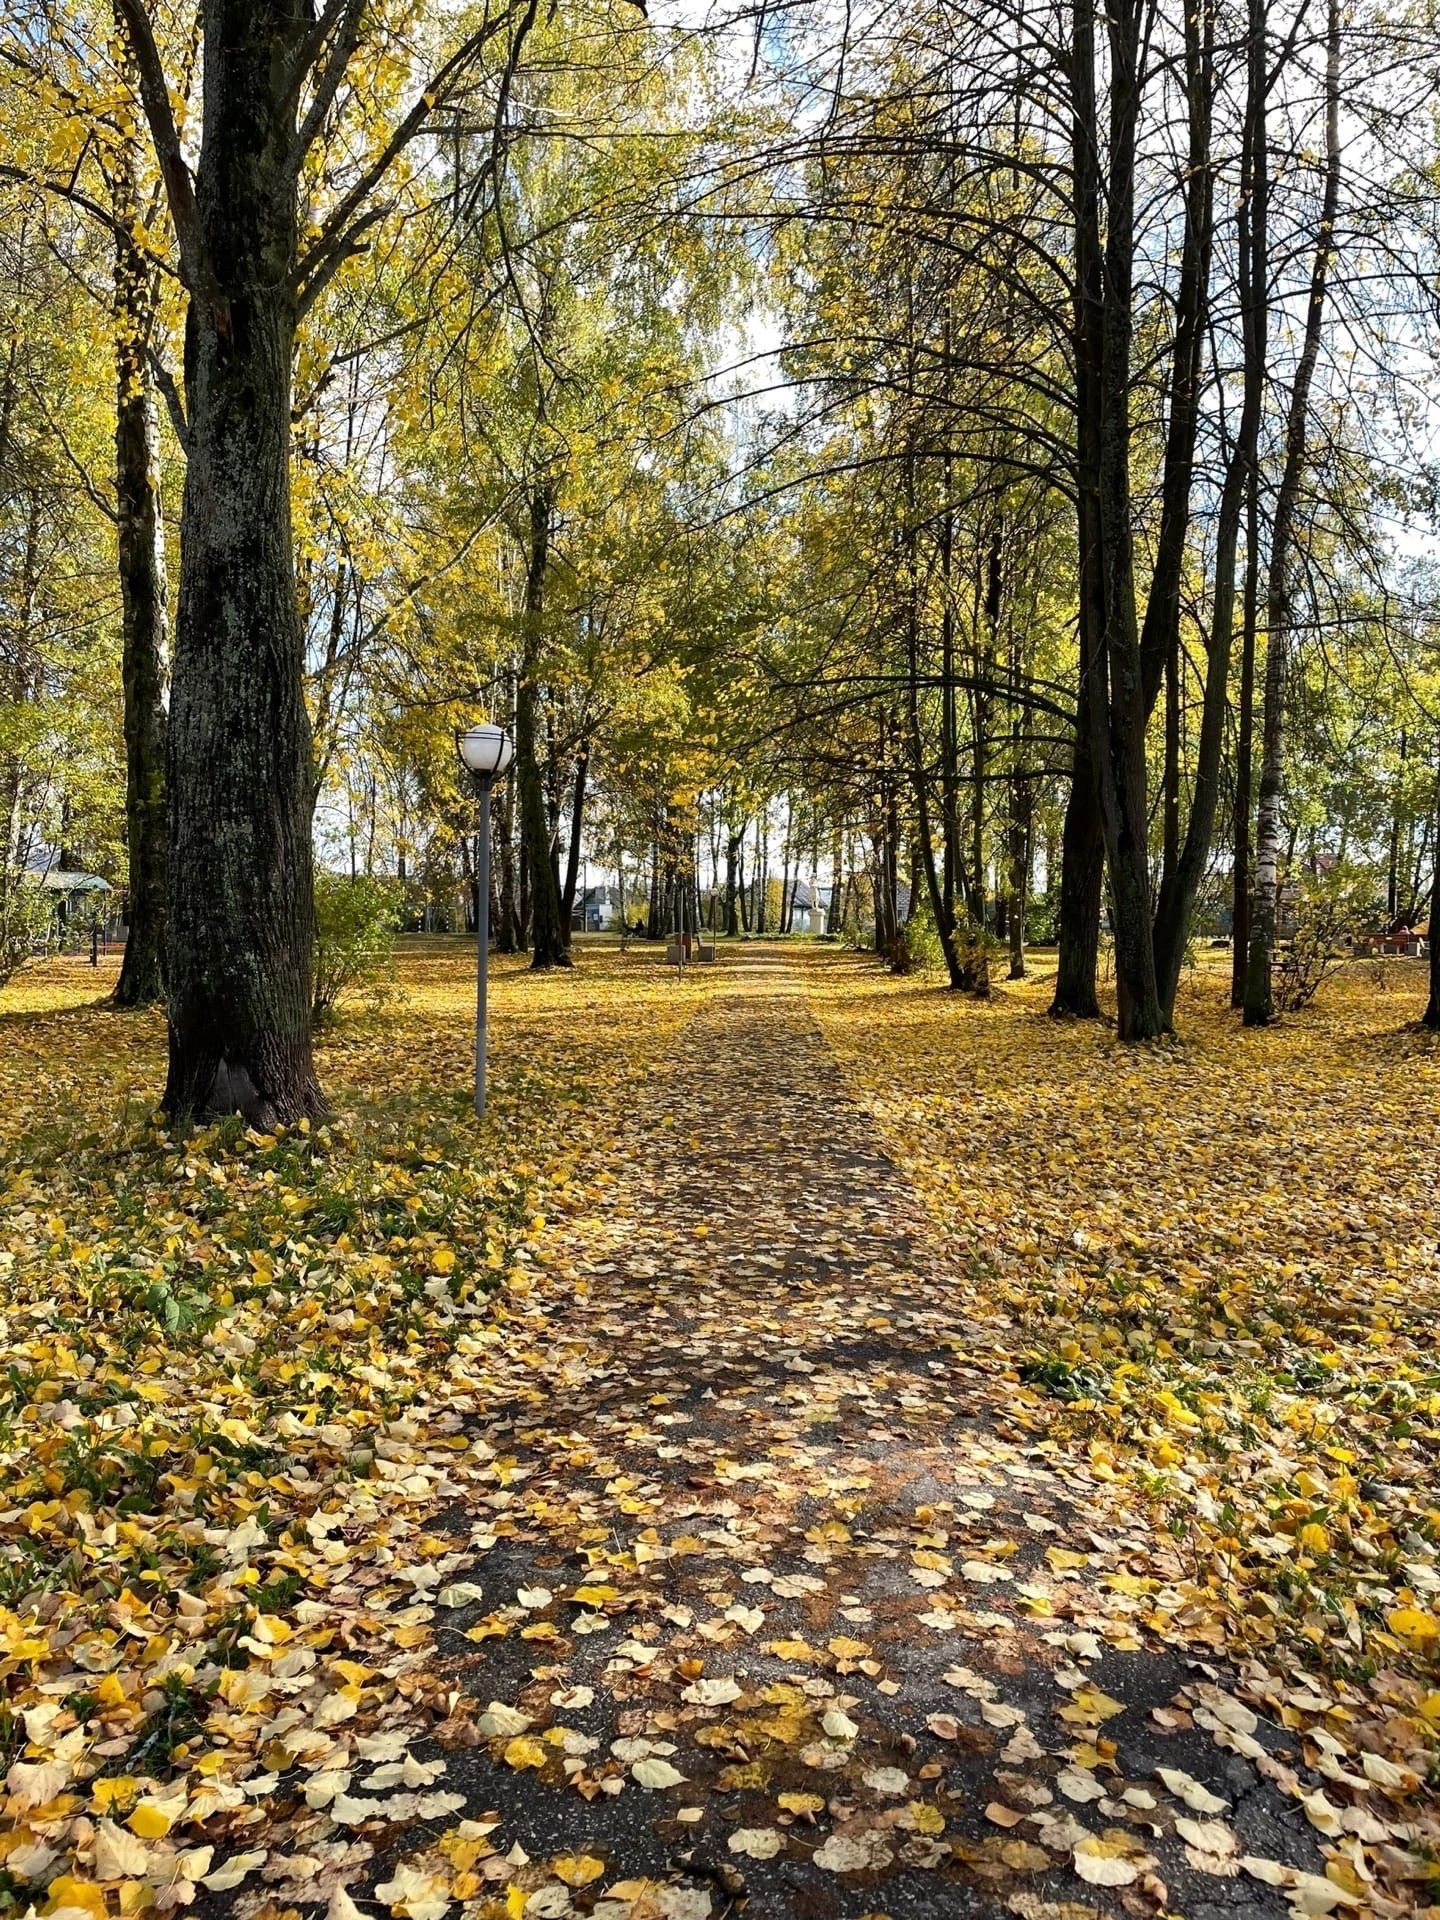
(769, 1610)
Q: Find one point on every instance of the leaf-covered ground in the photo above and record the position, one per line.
(820, 1450)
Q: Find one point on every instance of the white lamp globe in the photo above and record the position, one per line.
(485, 751)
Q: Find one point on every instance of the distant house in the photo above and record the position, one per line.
(597, 910)
(77, 896)
(79, 903)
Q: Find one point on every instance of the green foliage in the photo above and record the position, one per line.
(25, 915)
(355, 924)
(923, 953)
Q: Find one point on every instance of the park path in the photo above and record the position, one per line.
(759, 1520)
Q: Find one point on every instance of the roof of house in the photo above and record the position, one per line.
(57, 880)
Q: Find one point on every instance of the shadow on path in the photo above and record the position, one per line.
(759, 1516)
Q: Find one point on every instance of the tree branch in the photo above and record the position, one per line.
(196, 269)
(338, 234)
(170, 392)
(343, 17)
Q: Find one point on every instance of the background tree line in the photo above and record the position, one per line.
(982, 456)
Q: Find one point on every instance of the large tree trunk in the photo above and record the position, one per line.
(145, 613)
(240, 896)
(549, 934)
(1259, 1007)
(1083, 845)
(1117, 707)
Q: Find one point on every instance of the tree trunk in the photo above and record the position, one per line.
(1259, 1008)
(1245, 755)
(507, 922)
(577, 826)
(1117, 707)
(785, 893)
(1170, 778)
(1082, 876)
(549, 934)
(1184, 872)
(145, 613)
(1083, 844)
(241, 906)
(957, 974)
(732, 869)
(1019, 876)
(1431, 1016)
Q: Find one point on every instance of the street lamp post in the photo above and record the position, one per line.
(485, 753)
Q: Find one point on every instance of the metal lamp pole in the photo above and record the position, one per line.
(482, 937)
(485, 753)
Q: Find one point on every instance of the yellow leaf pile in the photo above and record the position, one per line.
(236, 1377)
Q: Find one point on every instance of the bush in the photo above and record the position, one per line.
(1331, 910)
(26, 916)
(922, 952)
(355, 923)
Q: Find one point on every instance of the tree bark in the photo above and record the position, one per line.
(1117, 707)
(144, 603)
(1082, 844)
(957, 973)
(1431, 1016)
(785, 894)
(1259, 1008)
(732, 868)
(549, 934)
(240, 893)
(507, 922)
(1245, 755)
(1184, 872)
(577, 826)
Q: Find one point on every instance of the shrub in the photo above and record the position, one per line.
(922, 952)
(355, 922)
(1330, 911)
(26, 915)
